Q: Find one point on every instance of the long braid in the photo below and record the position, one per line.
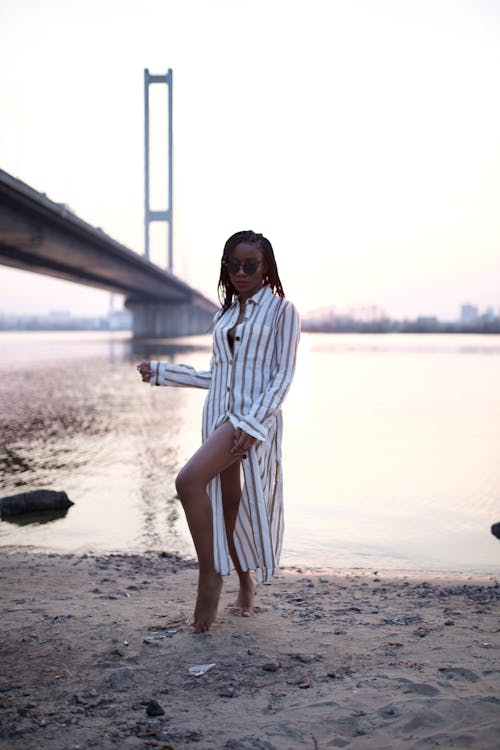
(225, 289)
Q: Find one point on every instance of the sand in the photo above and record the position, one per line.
(92, 647)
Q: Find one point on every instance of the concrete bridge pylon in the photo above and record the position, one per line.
(163, 319)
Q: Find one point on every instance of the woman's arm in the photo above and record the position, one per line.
(164, 373)
(268, 403)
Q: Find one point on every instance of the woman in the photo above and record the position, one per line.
(231, 489)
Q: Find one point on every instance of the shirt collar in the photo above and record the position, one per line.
(257, 298)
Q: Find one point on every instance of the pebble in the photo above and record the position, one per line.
(270, 666)
(422, 632)
(227, 692)
(153, 708)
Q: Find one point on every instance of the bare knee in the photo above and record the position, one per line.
(187, 483)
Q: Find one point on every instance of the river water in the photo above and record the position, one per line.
(391, 451)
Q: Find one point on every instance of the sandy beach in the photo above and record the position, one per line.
(98, 652)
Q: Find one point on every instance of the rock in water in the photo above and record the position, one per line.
(34, 502)
(495, 530)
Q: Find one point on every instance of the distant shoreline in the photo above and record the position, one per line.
(307, 327)
(395, 326)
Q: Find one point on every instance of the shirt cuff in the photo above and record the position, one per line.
(155, 367)
(250, 425)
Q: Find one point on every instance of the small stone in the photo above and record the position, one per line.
(227, 692)
(304, 658)
(387, 712)
(153, 708)
(270, 666)
(422, 632)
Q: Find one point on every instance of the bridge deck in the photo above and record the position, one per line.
(39, 235)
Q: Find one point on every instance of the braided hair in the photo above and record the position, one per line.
(225, 289)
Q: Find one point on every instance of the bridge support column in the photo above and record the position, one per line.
(155, 319)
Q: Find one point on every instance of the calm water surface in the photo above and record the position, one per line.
(391, 451)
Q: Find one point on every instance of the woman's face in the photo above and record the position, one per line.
(246, 268)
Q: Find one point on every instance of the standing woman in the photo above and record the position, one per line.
(231, 489)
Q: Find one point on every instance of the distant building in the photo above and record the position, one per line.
(489, 313)
(469, 314)
(120, 320)
(59, 316)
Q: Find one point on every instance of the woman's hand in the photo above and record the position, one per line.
(145, 371)
(242, 442)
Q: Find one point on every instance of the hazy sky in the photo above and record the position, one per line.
(360, 136)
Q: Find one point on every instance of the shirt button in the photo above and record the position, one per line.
(230, 361)
(237, 338)
(228, 388)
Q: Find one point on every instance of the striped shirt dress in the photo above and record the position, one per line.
(247, 385)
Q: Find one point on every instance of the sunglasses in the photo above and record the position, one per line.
(249, 267)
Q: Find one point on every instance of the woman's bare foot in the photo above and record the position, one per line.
(246, 595)
(207, 601)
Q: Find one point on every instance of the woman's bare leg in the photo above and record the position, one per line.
(211, 459)
(231, 496)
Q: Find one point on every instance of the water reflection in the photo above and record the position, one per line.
(167, 349)
(158, 518)
(40, 518)
(408, 343)
(77, 417)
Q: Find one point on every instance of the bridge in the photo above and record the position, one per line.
(39, 235)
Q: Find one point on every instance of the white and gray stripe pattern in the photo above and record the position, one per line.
(248, 386)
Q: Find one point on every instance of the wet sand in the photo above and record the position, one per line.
(93, 647)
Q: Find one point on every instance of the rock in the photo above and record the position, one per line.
(153, 708)
(495, 530)
(34, 502)
(270, 666)
(422, 631)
